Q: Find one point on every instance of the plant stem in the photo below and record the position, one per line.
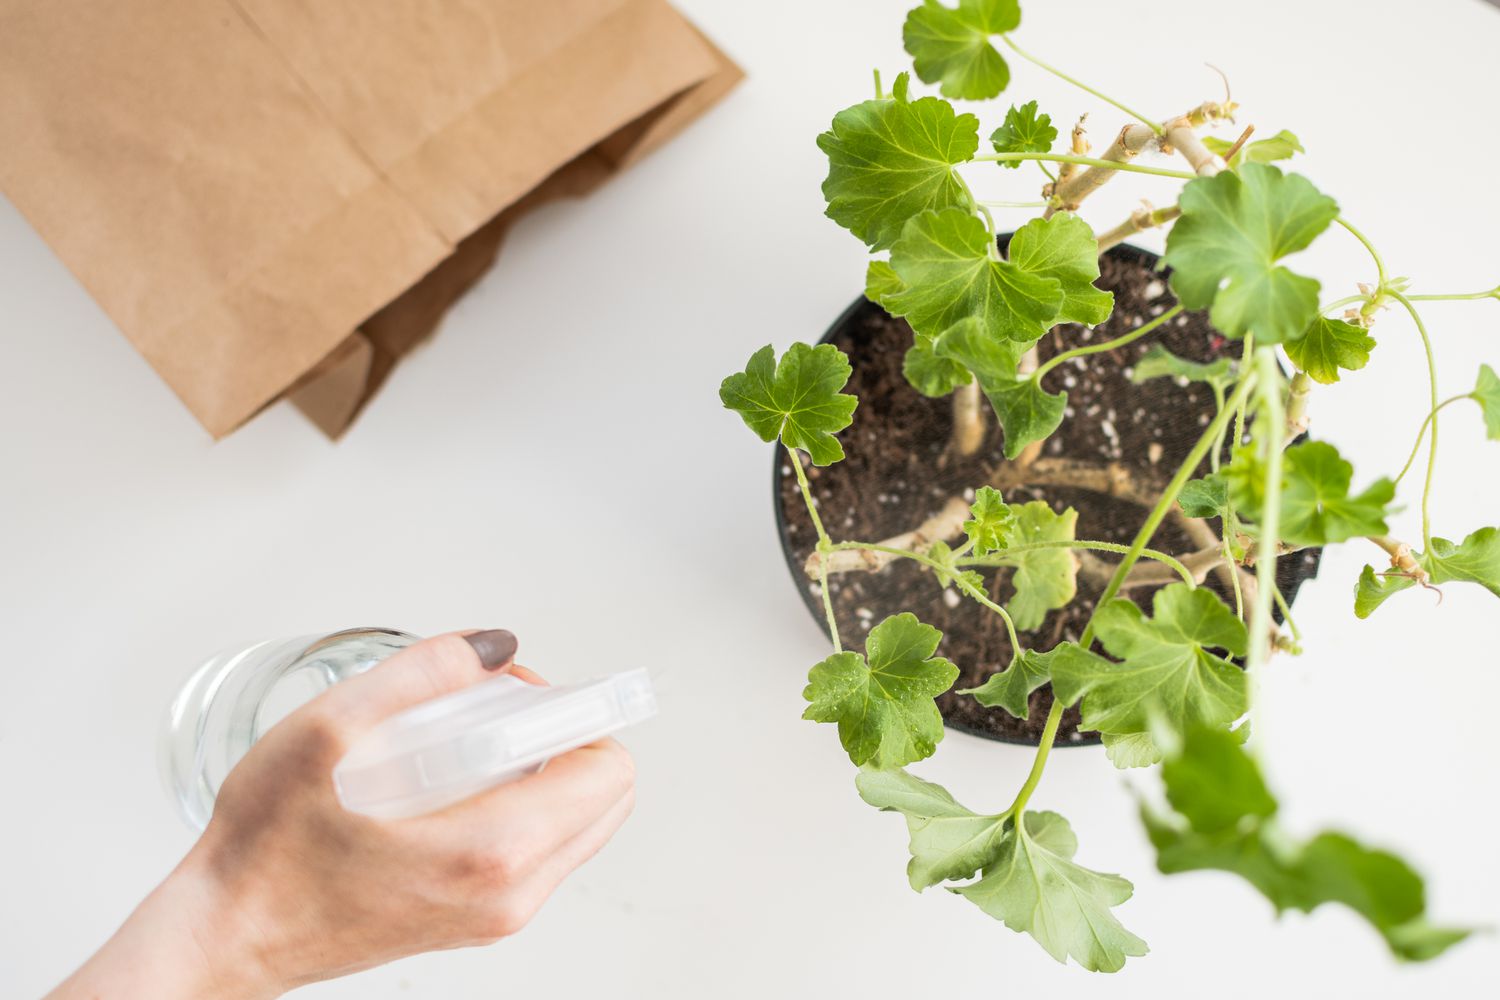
(983, 598)
(1286, 613)
(1013, 204)
(824, 545)
(1421, 431)
(1271, 436)
(1107, 345)
(1039, 762)
(1375, 254)
(1155, 126)
(1137, 547)
(1493, 293)
(1432, 439)
(1239, 413)
(1139, 221)
(1085, 161)
(1347, 300)
(1002, 557)
(879, 93)
(980, 207)
(1214, 453)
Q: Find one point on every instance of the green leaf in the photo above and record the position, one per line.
(1158, 362)
(1224, 819)
(989, 358)
(884, 705)
(929, 374)
(797, 398)
(1126, 750)
(1280, 146)
(1214, 784)
(1024, 131)
(953, 45)
(1316, 507)
(1064, 248)
(881, 281)
(1330, 345)
(948, 841)
(1371, 590)
(1027, 412)
(1487, 394)
(1168, 673)
(1011, 688)
(1474, 560)
(1045, 579)
(1035, 887)
(1224, 250)
(943, 259)
(1206, 497)
(891, 159)
(990, 521)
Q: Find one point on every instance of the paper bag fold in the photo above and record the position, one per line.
(266, 193)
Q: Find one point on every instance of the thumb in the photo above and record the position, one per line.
(420, 672)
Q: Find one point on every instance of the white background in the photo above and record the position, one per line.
(556, 462)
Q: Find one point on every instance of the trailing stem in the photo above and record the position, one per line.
(1153, 126)
(1432, 420)
(824, 544)
(1272, 425)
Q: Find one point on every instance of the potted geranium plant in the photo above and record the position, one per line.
(1154, 647)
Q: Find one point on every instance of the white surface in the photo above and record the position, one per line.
(555, 462)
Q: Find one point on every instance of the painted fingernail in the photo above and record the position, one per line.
(496, 647)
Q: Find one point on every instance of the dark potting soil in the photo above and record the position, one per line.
(899, 471)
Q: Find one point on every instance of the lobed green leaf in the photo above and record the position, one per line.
(1011, 688)
(1224, 250)
(796, 399)
(1045, 579)
(1064, 248)
(944, 262)
(1034, 886)
(1206, 497)
(1316, 505)
(891, 159)
(1372, 589)
(948, 841)
(990, 522)
(883, 704)
(952, 45)
(929, 373)
(1168, 674)
(1223, 818)
(1328, 346)
(1474, 560)
(1024, 131)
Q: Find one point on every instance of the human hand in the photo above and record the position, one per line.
(285, 887)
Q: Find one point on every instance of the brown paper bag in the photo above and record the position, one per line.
(272, 197)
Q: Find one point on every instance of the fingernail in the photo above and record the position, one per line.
(496, 647)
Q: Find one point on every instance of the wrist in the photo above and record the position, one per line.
(188, 940)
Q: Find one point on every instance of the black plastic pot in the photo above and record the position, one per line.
(1293, 572)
